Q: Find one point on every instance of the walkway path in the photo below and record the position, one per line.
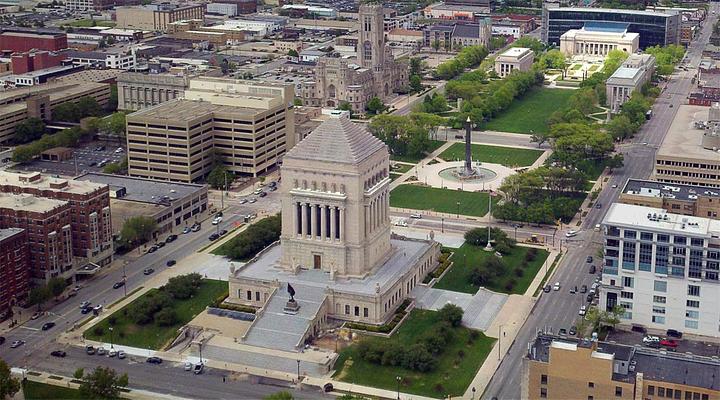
(400, 180)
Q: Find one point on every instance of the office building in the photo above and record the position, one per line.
(566, 368)
(598, 39)
(692, 200)
(662, 268)
(19, 104)
(89, 209)
(689, 153)
(138, 90)
(242, 7)
(512, 59)
(633, 74)
(14, 269)
(29, 61)
(26, 39)
(97, 5)
(156, 17)
(654, 28)
(248, 124)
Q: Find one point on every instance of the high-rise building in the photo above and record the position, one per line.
(14, 269)
(249, 125)
(662, 268)
(655, 28)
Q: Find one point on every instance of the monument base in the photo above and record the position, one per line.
(291, 307)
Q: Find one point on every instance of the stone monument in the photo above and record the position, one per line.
(292, 306)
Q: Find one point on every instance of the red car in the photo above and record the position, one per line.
(669, 343)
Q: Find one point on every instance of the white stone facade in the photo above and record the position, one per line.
(515, 58)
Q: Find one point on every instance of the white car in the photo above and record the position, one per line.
(121, 354)
(583, 310)
(651, 339)
(112, 353)
(557, 286)
(416, 216)
(216, 220)
(188, 366)
(571, 234)
(243, 201)
(119, 150)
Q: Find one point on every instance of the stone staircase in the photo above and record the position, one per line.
(275, 329)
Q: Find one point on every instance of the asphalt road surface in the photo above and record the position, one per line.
(556, 310)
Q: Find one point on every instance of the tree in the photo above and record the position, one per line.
(88, 107)
(552, 59)
(39, 295)
(103, 383)
(68, 112)
(297, 102)
(375, 105)
(416, 83)
(293, 53)
(56, 286)
(345, 106)
(138, 229)
(435, 44)
(29, 130)
(497, 42)
(530, 42)
(451, 314)
(620, 127)
(79, 373)
(219, 177)
(616, 161)
(416, 66)
(8, 384)
(114, 124)
(112, 103)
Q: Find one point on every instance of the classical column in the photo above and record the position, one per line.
(367, 220)
(313, 220)
(333, 216)
(323, 221)
(295, 218)
(304, 219)
(341, 223)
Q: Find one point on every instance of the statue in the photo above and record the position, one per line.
(291, 307)
(291, 291)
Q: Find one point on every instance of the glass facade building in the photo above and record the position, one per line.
(654, 28)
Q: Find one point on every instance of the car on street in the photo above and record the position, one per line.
(598, 205)
(101, 351)
(590, 297)
(516, 225)
(614, 185)
(562, 331)
(243, 201)
(253, 200)
(262, 194)
(121, 354)
(98, 308)
(35, 316)
(223, 232)
(214, 236)
(47, 326)
(198, 368)
(583, 289)
(186, 230)
(85, 310)
(85, 304)
(188, 366)
(171, 238)
(112, 353)
(669, 343)
(570, 234)
(674, 333)
(583, 310)
(573, 331)
(152, 249)
(100, 148)
(89, 350)
(119, 150)
(556, 287)
(17, 343)
(273, 188)
(589, 259)
(416, 216)
(58, 353)
(154, 360)
(573, 290)
(148, 271)
(160, 245)
(547, 289)
(118, 285)
(170, 263)
(593, 269)
(216, 220)
(196, 228)
(650, 338)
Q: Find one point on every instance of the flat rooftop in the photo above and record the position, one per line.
(683, 140)
(44, 182)
(639, 187)
(405, 255)
(30, 203)
(515, 52)
(187, 110)
(141, 189)
(610, 11)
(625, 73)
(657, 219)
(9, 232)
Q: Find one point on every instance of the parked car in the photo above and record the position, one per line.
(638, 328)
(170, 263)
(214, 236)
(650, 338)
(121, 354)
(262, 194)
(573, 290)
(188, 366)
(186, 230)
(654, 345)
(17, 343)
(218, 214)
(593, 269)
(562, 331)
(85, 310)
(547, 288)
(198, 368)
(152, 249)
(118, 285)
(589, 259)
(669, 343)
(196, 227)
(583, 289)
(223, 232)
(47, 326)
(674, 333)
(160, 245)
(573, 331)
(154, 360)
(2, 339)
(416, 216)
(58, 353)
(252, 200)
(98, 308)
(243, 201)
(590, 298)
(35, 316)
(556, 287)
(583, 310)
(112, 353)
(171, 238)
(101, 351)
(598, 205)
(148, 271)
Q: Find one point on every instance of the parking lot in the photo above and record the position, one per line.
(85, 159)
(684, 345)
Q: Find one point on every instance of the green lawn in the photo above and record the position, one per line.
(451, 377)
(529, 113)
(44, 391)
(401, 168)
(440, 200)
(468, 256)
(507, 156)
(434, 145)
(153, 336)
(86, 23)
(576, 67)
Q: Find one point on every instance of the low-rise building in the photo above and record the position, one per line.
(97, 59)
(598, 38)
(302, 10)
(25, 39)
(97, 5)
(567, 368)
(242, 7)
(444, 11)
(248, 124)
(635, 71)
(14, 269)
(523, 23)
(228, 9)
(692, 200)
(406, 36)
(156, 17)
(23, 62)
(464, 34)
(514, 58)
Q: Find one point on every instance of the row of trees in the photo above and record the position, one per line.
(405, 135)
(65, 138)
(137, 230)
(257, 236)
(75, 111)
(435, 104)
(666, 57)
(42, 293)
(420, 356)
(468, 57)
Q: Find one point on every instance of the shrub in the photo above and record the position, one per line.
(166, 317)
(112, 320)
(510, 285)
(502, 247)
(121, 334)
(451, 314)
(439, 388)
(531, 254)
(461, 353)
(418, 358)
(519, 272)
(99, 331)
(393, 355)
(474, 335)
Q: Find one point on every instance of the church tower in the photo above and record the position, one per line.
(371, 45)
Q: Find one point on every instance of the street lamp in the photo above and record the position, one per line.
(111, 337)
(298, 369)
(473, 393)
(124, 280)
(499, 339)
(442, 225)
(398, 379)
(458, 209)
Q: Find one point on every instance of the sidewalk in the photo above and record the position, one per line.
(402, 178)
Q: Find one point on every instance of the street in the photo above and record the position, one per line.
(558, 310)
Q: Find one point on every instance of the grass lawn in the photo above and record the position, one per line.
(530, 112)
(87, 23)
(153, 336)
(434, 145)
(402, 168)
(452, 376)
(507, 156)
(42, 391)
(467, 256)
(440, 200)
(576, 67)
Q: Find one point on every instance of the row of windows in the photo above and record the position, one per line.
(676, 394)
(688, 164)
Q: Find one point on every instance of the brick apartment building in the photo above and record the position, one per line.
(14, 271)
(23, 62)
(25, 39)
(88, 206)
(47, 223)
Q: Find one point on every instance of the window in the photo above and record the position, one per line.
(658, 310)
(660, 286)
(626, 295)
(697, 242)
(661, 392)
(618, 391)
(680, 240)
(543, 393)
(365, 312)
(591, 384)
(692, 314)
(543, 379)
(630, 234)
(663, 238)
(257, 296)
(693, 290)
(357, 311)
(651, 390)
(658, 319)
(691, 324)
(249, 295)
(627, 281)
(347, 309)
(669, 393)
(693, 303)
(646, 236)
